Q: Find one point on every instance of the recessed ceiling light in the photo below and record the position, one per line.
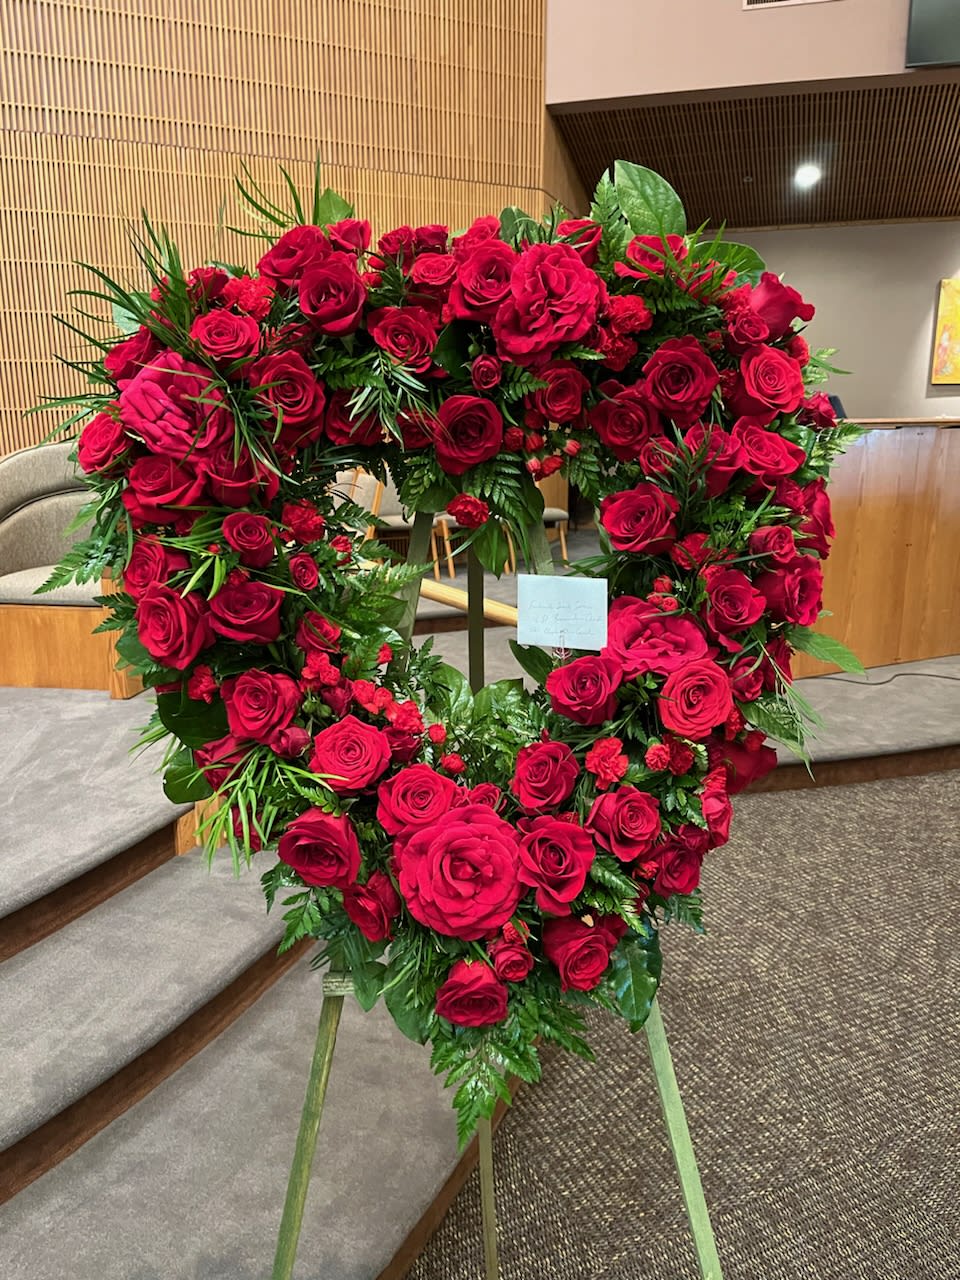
(807, 176)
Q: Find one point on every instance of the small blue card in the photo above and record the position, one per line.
(562, 613)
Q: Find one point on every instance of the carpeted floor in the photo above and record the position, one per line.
(815, 1035)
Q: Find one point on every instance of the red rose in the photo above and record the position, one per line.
(173, 628)
(416, 428)
(695, 699)
(772, 383)
(303, 521)
(288, 385)
(225, 337)
(553, 299)
(398, 245)
(431, 238)
(773, 541)
(555, 857)
(486, 372)
(150, 561)
(744, 766)
(745, 328)
(468, 431)
(102, 441)
(343, 427)
(818, 412)
(561, 400)
(640, 519)
(746, 677)
(651, 256)
(485, 228)
(512, 961)
(408, 334)
(734, 603)
(794, 592)
(221, 760)
(315, 633)
(124, 361)
(472, 996)
(373, 906)
(680, 861)
(584, 235)
(248, 612)
(545, 775)
(414, 797)
(765, 454)
(482, 281)
(459, 876)
(580, 951)
(295, 252)
(777, 304)
(176, 408)
(403, 746)
(289, 742)
(322, 849)
(259, 703)
(350, 755)
(233, 476)
(350, 235)
(717, 455)
(585, 690)
(332, 296)
(303, 571)
(433, 272)
(716, 807)
(817, 528)
(624, 419)
(625, 822)
(679, 379)
(607, 762)
(627, 313)
(642, 639)
(469, 512)
(252, 536)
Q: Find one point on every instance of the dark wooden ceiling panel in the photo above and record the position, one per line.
(887, 152)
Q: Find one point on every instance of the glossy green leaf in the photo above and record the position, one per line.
(636, 975)
(649, 203)
(182, 783)
(368, 980)
(741, 258)
(535, 662)
(825, 649)
(194, 723)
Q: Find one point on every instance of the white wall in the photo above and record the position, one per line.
(875, 289)
(626, 48)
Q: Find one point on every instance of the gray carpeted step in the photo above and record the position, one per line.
(189, 1184)
(78, 1006)
(71, 793)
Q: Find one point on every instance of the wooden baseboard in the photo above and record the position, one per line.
(37, 920)
(839, 773)
(47, 1146)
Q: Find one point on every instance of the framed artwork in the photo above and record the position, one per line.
(946, 339)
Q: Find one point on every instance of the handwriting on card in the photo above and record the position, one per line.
(562, 613)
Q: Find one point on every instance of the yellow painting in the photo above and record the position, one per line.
(946, 342)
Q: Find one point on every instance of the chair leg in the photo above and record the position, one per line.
(562, 531)
(435, 555)
(447, 548)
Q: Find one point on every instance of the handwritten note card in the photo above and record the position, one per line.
(562, 613)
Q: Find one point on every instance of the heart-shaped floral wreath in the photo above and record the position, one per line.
(490, 864)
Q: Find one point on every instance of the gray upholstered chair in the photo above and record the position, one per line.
(47, 640)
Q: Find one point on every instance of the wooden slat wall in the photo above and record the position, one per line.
(420, 112)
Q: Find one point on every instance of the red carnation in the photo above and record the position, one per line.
(468, 511)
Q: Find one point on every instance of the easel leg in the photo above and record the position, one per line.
(307, 1137)
(488, 1202)
(686, 1162)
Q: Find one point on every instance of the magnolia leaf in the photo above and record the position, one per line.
(741, 258)
(125, 321)
(825, 649)
(194, 723)
(368, 980)
(413, 1022)
(450, 353)
(535, 662)
(490, 546)
(649, 203)
(499, 700)
(636, 975)
(331, 207)
(182, 781)
(133, 652)
(459, 699)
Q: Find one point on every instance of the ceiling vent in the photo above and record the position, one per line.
(771, 4)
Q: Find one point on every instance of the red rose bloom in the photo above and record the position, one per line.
(252, 536)
(486, 372)
(794, 593)
(433, 272)
(651, 256)
(716, 807)
(625, 822)
(680, 861)
(295, 252)
(585, 690)
(344, 428)
(561, 400)
(407, 334)
(397, 246)
(607, 762)
(221, 759)
(746, 677)
(226, 338)
(468, 431)
(482, 281)
(124, 361)
(817, 528)
(512, 961)
(322, 849)
(777, 304)
(484, 228)
(555, 857)
(350, 755)
(460, 875)
(774, 542)
(259, 703)
(745, 328)
(350, 235)
(818, 412)
(679, 379)
(643, 639)
(580, 951)
(742, 765)
(173, 628)
(414, 797)
(734, 603)
(695, 699)
(553, 299)
(765, 454)
(234, 478)
(772, 383)
(584, 235)
(472, 996)
(640, 519)
(315, 633)
(624, 419)
(158, 489)
(332, 295)
(248, 612)
(545, 775)
(176, 408)
(150, 561)
(373, 906)
(717, 454)
(469, 512)
(102, 441)
(303, 571)
(288, 385)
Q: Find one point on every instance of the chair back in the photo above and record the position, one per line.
(40, 496)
